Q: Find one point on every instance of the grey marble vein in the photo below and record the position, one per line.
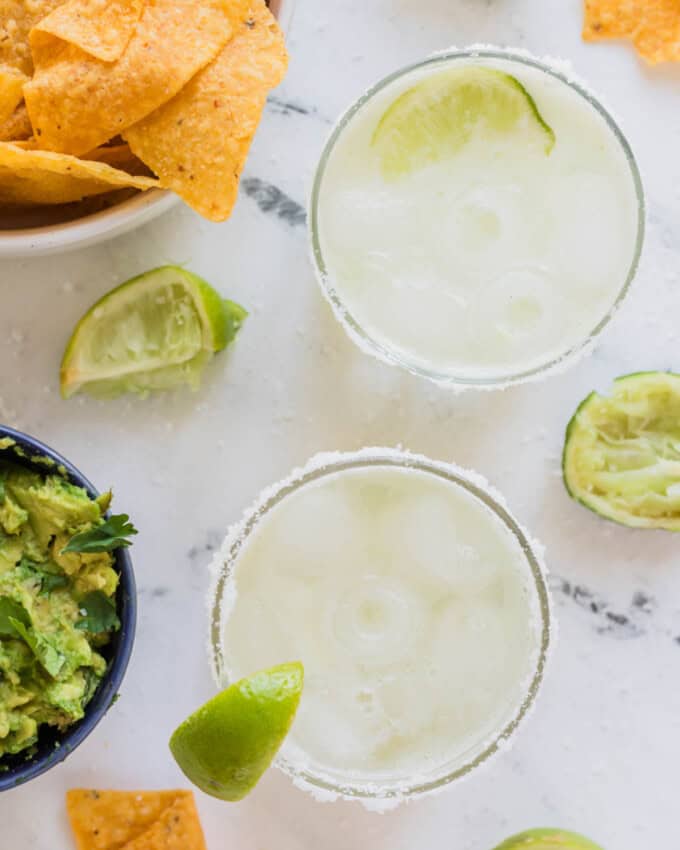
(283, 106)
(200, 551)
(621, 624)
(272, 200)
(154, 592)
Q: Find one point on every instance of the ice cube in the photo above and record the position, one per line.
(379, 621)
(429, 533)
(315, 521)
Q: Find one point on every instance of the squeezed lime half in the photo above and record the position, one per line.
(622, 452)
(547, 839)
(154, 332)
(226, 746)
(438, 116)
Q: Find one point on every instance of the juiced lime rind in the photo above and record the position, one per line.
(438, 116)
(547, 839)
(621, 455)
(226, 746)
(219, 321)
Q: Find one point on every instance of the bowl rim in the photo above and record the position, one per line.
(88, 230)
(104, 696)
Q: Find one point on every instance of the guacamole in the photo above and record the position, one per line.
(57, 602)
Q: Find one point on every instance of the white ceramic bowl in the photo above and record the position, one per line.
(59, 236)
(117, 219)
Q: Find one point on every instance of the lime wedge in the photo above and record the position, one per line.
(154, 332)
(547, 839)
(226, 746)
(622, 452)
(437, 117)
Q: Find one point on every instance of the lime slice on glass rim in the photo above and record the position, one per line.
(622, 452)
(438, 116)
(226, 746)
(547, 839)
(154, 332)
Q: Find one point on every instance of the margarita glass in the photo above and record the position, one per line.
(497, 264)
(415, 601)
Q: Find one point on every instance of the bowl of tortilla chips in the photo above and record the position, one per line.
(110, 110)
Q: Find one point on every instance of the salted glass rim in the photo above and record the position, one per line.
(388, 354)
(226, 561)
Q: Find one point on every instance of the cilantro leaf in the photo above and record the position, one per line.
(47, 654)
(50, 582)
(100, 613)
(111, 534)
(9, 611)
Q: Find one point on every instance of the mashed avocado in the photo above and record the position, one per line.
(56, 607)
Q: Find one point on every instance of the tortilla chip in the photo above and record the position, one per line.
(11, 94)
(77, 102)
(609, 19)
(17, 126)
(658, 39)
(117, 156)
(17, 19)
(101, 28)
(198, 142)
(43, 177)
(109, 820)
(120, 156)
(111, 154)
(178, 828)
(652, 25)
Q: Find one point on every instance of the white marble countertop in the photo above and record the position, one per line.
(600, 753)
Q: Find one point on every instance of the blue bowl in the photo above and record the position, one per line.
(54, 746)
